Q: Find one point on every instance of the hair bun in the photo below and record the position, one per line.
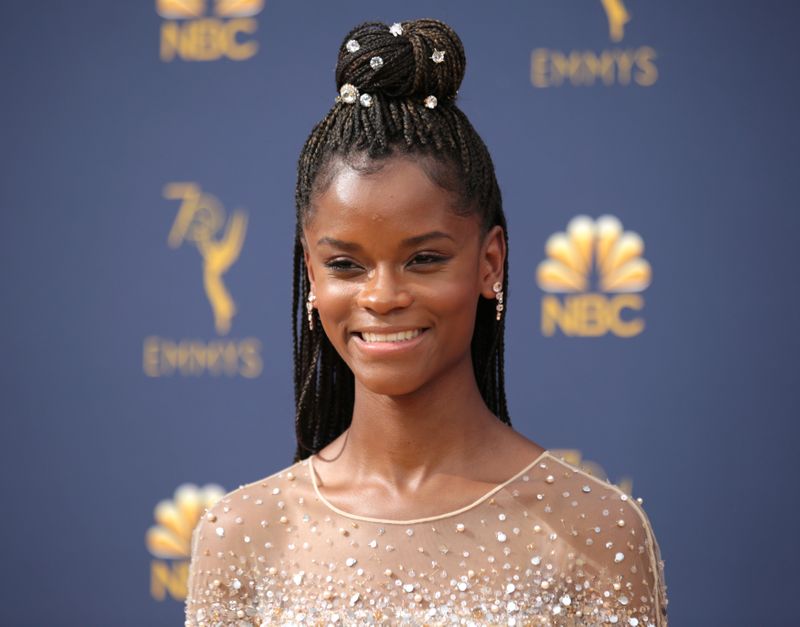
(426, 58)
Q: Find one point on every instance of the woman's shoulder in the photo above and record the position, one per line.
(230, 539)
(604, 524)
(277, 479)
(572, 478)
(252, 507)
(580, 494)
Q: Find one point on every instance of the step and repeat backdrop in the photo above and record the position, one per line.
(647, 152)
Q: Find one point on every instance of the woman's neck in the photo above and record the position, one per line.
(405, 439)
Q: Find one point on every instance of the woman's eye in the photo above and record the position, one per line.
(426, 259)
(341, 265)
(345, 265)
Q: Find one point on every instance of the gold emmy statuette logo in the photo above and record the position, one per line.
(170, 540)
(617, 16)
(575, 457)
(189, 33)
(200, 221)
(615, 256)
(581, 67)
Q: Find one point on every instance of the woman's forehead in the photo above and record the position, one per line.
(397, 193)
(397, 182)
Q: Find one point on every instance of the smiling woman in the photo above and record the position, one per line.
(387, 255)
(411, 499)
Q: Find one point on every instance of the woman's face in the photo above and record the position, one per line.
(397, 274)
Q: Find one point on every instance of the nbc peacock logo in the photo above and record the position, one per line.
(193, 33)
(594, 274)
(170, 540)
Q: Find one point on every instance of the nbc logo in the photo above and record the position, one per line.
(188, 32)
(170, 541)
(588, 248)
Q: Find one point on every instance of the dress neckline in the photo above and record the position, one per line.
(391, 521)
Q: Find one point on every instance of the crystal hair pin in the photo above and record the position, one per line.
(396, 29)
(348, 94)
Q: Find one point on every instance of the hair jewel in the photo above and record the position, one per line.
(431, 102)
(437, 56)
(376, 63)
(396, 29)
(353, 46)
(348, 94)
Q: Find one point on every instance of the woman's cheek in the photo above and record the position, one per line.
(335, 303)
(454, 297)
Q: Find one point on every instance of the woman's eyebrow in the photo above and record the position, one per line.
(416, 240)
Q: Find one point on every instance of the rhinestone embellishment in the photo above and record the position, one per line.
(353, 46)
(348, 93)
(499, 561)
(437, 56)
(431, 102)
(365, 100)
(396, 29)
(376, 63)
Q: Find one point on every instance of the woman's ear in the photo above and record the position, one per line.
(493, 256)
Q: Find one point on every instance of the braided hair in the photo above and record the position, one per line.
(396, 121)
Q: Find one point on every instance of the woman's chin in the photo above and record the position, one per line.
(390, 383)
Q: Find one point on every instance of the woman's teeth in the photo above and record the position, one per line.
(390, 337)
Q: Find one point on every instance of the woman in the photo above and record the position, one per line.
(411, 499)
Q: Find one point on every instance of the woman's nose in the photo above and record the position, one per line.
(383, 292)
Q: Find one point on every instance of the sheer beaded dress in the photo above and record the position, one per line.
(552, 545)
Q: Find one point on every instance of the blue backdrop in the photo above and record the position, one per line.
(148, 167)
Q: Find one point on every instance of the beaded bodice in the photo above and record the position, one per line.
(552, 545)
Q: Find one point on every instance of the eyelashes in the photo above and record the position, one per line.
(339, 265)
(422, 259)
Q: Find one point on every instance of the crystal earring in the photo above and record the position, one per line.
(498, 294)
(310, 310)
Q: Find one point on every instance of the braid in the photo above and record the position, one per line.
(453, 155)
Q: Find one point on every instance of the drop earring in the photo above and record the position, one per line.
(310, 310)
(498, 294)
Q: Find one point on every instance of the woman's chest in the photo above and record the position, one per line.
(470, 570)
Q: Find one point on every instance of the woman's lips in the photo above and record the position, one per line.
(388, 342)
